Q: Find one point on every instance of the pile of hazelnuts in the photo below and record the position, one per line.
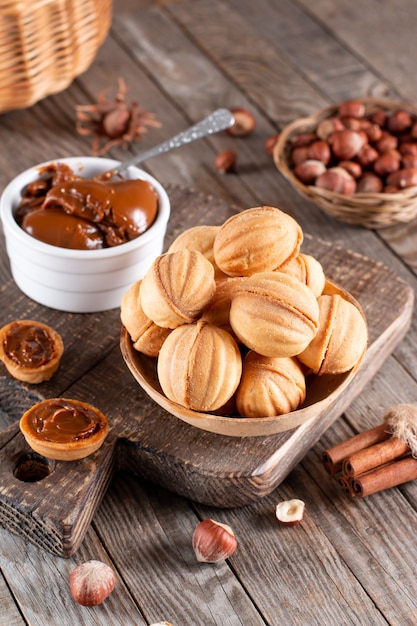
(353, 151)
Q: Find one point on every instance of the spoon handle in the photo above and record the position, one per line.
(213, 123)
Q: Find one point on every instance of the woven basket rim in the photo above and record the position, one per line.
(45, 44)
(372, 210)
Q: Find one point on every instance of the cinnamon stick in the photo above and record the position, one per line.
(374, 456)
(390, 475)
(346, 485)
(334, 456)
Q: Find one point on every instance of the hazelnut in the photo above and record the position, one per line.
(352, 123)
(369, 183)
(270, 143)
(225, 161)
(404, 178)
(352, 167)
(399, 121)
(91, 583)
(386, 142)
(409, 160)
(408, 147)
(307, 171)
(303, 139)
(413, 131)
(299, 154)
(290, 512)
(345, 144)
(379, 118)
(337, 179)
(319, 150)
(387, 163)
(244, 122)
(373, 131)
(327, 126)
(352, 108)
(213, 541)
(367, 155)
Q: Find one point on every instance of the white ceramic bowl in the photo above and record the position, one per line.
(79, 281)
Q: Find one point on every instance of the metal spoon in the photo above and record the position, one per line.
(213, 123)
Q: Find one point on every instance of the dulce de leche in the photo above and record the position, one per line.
(30, 350)
(86, 214)
(64, 429)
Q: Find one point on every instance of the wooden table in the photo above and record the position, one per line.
(351, 561)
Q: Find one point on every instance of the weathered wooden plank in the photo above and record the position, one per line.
(377, 29)
(40, 584)
(208, 468)
(303, 38)
(9, 613)
(159, 542)
(295, 560)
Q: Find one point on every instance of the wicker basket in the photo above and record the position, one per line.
(371, 210)
(45, 44)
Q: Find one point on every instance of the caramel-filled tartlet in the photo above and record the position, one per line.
(64, 429)
(31, 351)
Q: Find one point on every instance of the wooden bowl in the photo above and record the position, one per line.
(370, 210)
(322, 392)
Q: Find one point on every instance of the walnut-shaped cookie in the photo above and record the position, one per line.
(218, 310)
(341, 339)
(199, 366)
(256, 240)
(307, 269)
(270, 386)
(177, 288)
(274, 314)
(31, 351)
(199, 238)
(147, 337)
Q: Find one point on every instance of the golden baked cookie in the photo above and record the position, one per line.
(31, 351)
(64, 429)
(274, 314)
(147, 337)
(199, 366)
(341, 338)
(218, 309)
(307, 269)
(177, 288)
(256, 240)
(270, 386)
(199, 238)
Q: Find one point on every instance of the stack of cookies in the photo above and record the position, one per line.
(238, 317)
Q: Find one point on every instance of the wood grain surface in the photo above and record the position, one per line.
(350, 562)
(147, 440)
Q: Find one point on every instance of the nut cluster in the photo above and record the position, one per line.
(355, 151)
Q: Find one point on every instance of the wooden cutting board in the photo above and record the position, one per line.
(52, 503)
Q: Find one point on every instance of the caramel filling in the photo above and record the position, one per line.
(28, 345)
(71, 212)
(62, 421)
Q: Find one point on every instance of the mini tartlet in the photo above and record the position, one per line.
(63, 429)
(31, 351)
